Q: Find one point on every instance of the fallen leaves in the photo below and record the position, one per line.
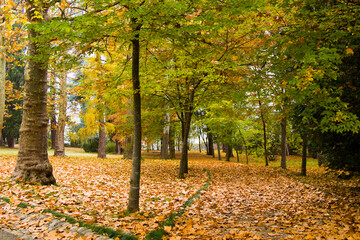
(242, 202)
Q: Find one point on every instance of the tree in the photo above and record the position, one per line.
(32, 163)
(60, 128)
(2, 69)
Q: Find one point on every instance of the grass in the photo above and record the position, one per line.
(69, 151)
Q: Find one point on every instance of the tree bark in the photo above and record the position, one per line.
(228, 151)
(52, 112)
(171, 143)
(134, 195)
(60, 130)
(264, 134)
(184, 149)
(304, 152)
(2, 72)
(102, 137)
(210, 149)
(165, 139)
(283, 142)
(10, 141)
(32, 163)
(219, 150)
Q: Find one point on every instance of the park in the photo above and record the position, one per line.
(166, 119)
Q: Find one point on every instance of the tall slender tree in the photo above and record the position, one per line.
(2, 68)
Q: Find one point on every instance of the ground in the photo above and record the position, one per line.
(239, 201)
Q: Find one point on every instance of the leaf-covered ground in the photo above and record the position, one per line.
(242, 201)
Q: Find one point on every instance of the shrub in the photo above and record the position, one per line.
(110, 147)
(91, 145)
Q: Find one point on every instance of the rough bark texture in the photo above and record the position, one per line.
(165, 139)
(60, 131)
(32, 163)
(283, 143)
(134, 195)
(2, 73)
(304, 152)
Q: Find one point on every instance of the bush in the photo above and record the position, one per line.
(110, 147)
(91, 145)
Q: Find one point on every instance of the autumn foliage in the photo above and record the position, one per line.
(241, 202)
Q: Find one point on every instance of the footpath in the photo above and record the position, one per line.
(20, 223)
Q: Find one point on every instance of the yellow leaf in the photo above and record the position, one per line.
(349, 51)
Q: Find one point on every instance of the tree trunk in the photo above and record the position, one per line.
(199, 143)
(134, 195)
(237, 155)
(171, 143)
(52, 112)
(228, 151)
(102, 138)
(60, 130)
(210, 149)
(283, 142)
(10, 141)
(219, 150)
(2, 72)
(184, 149)
(32, 163)
(304, 152)
(264, 133)
(165, 139)
(53, 131)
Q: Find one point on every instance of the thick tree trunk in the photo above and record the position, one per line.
(32, 163)
(264, 134)
(10, 141)
(60, 130)
(165, 139)
(304, 152)
(134, 195)
(283, 142)
(2, 72)
(210, 149)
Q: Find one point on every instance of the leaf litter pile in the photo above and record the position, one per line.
(242, 201)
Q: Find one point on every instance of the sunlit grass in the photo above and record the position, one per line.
(69, 151)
